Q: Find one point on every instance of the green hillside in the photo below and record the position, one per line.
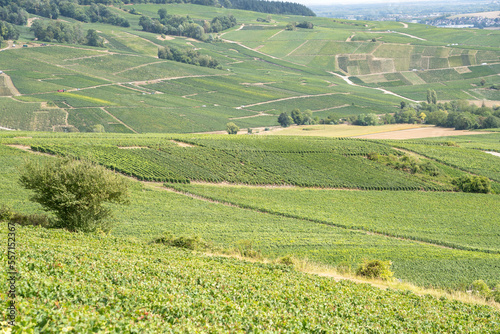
(265, 69)
(434, 238)
(151, 288)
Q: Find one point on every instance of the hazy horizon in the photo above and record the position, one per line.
(347, 2)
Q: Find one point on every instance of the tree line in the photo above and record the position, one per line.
(8, 31)
(454, 114)
(185, 26)
(272, 7)
(65, 33)
(16, 11)
(188, 56)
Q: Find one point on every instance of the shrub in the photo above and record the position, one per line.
(375, 269)
(287, 260)
(245, 248)
(32, 220)
(473, 184)
(232, 128)
(6, 213)
(496, 293)
(74, 191)
(193, 242)
(480, 288)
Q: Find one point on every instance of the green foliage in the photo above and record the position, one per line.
(473, 184)
(496, 293)
(287, 260)
(188, 56)
(186, 292)
(74, 191)
(285, 120)
(480, 288)
(192, 243)
(375, 269)
(232, 128)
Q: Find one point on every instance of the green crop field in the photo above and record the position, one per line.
(187, 292)
(325, 226)
(315, 199)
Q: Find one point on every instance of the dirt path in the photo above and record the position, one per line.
(240, 27)
(298, 47)
(94, 56)
(385, 91)
(136, 67)
(404, 25)
(396, 32)
(118, 120)
(10, 85)
(494, 153)
(9, 44)
(251, 116)
(285, 99)
(279, 32)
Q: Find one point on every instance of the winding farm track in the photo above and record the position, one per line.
(10, 85)
(285, 99)
(385, 91)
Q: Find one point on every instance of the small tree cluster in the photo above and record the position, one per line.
(188, 56)
(185, 26)
(305, 25)
(455, 114)
(302, 118)
(431, 96)
(65, 33)
(366, 119)
(8, 31)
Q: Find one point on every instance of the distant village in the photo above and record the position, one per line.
(479, 22)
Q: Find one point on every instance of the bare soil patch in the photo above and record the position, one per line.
(166, 38)
(426, 132)
(182, 144)
(463, 69)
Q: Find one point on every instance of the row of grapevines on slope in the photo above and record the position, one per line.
(466, 159)
(123, 161)
(179, 164)
(284, 144)
(186, 292)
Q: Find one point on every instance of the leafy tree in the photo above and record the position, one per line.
(473, 184)
(285, 120)
(93, 39)
(162, 12)
(75, 192)
(297, 116)
(232, 128)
